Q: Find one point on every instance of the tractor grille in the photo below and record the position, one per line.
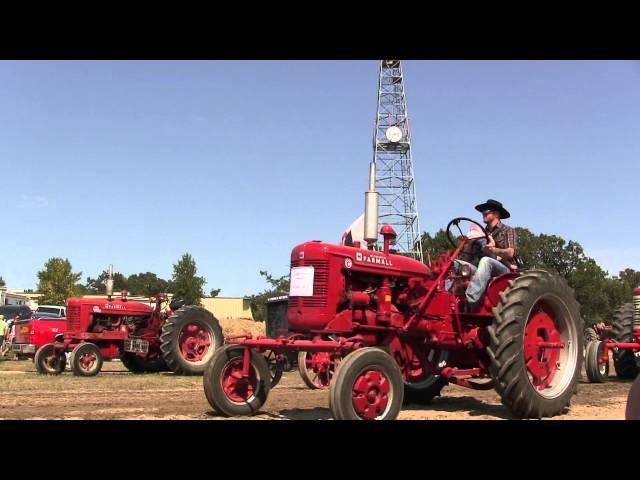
(320, 284)
(636, 310)
(73, 318)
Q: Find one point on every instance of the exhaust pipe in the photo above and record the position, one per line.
(371, 209)
(109, 282)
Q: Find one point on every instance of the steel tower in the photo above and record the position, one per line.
(395, 182)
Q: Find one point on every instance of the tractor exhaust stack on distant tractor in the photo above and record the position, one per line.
(371, 209)
(109, 282)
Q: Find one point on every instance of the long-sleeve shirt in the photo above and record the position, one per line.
(505, 237)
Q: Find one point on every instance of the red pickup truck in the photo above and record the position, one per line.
(32, 333)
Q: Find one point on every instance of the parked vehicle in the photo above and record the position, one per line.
(58, 310)
(10, 311)
(32, 333)
(39, 315)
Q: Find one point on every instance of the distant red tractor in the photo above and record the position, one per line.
(381, 329)
(145, 338)
(622, 338)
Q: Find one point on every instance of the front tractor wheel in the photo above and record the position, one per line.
(367, 386)
(278, 364)
(317, 369)
(227, 390)
(47, 362)
(597, 371)
(189, 339)
(86, 360)
(536, 345)
(588, 336)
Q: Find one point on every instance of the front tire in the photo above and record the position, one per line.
(367, 386)
(276, 366)
(86, 360)
(596, 371)
(624, 360)
(588, 336)
(189, 339)
(536, 345)
(230, 394)
(47, 363)
(317, 369)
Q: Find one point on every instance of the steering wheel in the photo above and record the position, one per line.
(456, 221)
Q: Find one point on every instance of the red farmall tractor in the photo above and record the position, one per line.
(180, 338)
(393, 329)
(622, 338)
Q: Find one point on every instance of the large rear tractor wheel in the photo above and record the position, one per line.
(227, 391)
(536, 345)
(317, 369)
(624, 360)
(189, 339)
(86, 360)
(47, 362)
(597, 372)
(367, 386)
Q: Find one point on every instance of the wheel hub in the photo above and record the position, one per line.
(542, 346)
(322, 365)
(370, 394)
(194, 343)
(87, 361)
(51, 361)
(238, 388)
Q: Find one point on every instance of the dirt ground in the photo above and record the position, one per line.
(117, 394)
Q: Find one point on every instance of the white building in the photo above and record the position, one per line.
(11, 296)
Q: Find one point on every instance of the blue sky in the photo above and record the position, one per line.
(133, 163)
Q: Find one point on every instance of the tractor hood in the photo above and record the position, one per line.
(104, 305)
(359, 259)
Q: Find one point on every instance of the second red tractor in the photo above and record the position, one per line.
(622, 338)
(145, 337)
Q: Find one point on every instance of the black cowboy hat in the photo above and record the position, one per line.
(492, 204)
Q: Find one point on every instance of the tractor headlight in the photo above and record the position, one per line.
(59, 337)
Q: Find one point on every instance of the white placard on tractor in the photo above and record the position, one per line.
(301, 282)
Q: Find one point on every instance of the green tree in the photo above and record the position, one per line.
(2, 282)
(434, 246)
(277, 286)
(98, 285)
(147, 283)
(185, 283)
(56, 282)
(629, 280)
(214, 292)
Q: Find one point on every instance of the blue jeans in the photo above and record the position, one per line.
(487, 269)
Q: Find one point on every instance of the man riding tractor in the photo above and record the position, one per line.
(497, 254)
